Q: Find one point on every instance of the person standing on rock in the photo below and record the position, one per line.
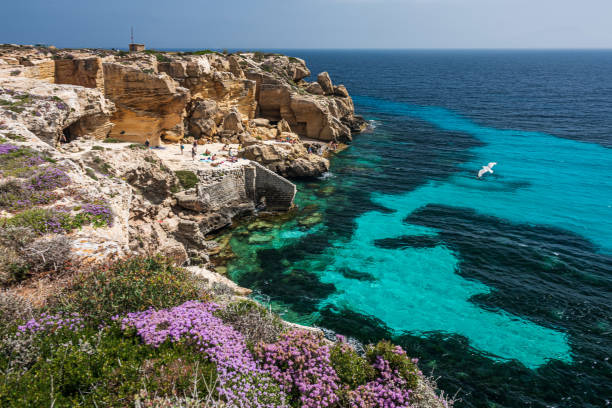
(182, 148)
(147, 143)
(193, 152)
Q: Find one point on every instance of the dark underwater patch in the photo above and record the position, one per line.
(353, 274)
(299, 288)
(408, 241)
(367, 329)
(550, 276)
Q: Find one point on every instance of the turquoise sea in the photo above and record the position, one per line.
(502, 286)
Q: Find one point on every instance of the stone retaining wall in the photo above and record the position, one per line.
(252, 182)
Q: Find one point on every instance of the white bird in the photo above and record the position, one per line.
(486, 169)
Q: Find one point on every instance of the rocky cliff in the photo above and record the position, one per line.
(204, 96)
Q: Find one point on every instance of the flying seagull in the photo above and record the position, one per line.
(486, 169)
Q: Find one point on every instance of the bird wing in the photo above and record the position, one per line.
(482, 171)
(491, 164)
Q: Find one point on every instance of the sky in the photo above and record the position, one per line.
(285, 24)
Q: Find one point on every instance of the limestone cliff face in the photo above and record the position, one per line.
(157, 94)
(85, 72)
(149, 106)
(56, 112)
(227, 89)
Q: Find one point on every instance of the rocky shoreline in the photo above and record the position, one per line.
(75, 169)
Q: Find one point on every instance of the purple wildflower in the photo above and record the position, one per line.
(46, 322)
(241, 382)
(7, 148)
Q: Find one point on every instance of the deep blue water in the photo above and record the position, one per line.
(502, 286)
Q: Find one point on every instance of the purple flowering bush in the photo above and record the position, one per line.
(48, 178)
(129, 333)
(98, 215)
(241, 382)
(49, 322)
(6, 148)
(38, 189)
(300, 362)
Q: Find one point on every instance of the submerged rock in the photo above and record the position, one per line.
(312, 220)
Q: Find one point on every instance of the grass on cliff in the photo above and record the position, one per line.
(128, 286)
(187, 179)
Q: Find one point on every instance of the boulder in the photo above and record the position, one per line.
(203, 118)
(326, 84)
(288, 160)
(340, 90)
(233, 122)
(315, 89)
(283, 126)
(261, 122)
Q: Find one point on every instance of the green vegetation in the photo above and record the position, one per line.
(188, 179)
(17, 106)
(105, 367)
(398, 360)
(17, 138)
(112, 140)
(96, 147)
(129, 286)
(137, 146)
(161, 57)
(352, 369)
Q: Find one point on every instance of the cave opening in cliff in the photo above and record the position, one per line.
(68, 136)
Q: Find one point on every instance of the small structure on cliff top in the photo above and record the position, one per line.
(133, 46)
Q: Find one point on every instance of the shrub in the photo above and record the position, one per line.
(352, 369)
(138, 146)
(96, 147)
(18, 161)
(40, 220)
(18, 351)
(49, 253)
(91, 173)
(202, 52)
(241, 382)
(48, 178)
(135, 284)
(13, 268)
(299, 361)
(397, 359)
(13, 308)
(112, 140)
(107, 367)
(16, 195)
(252, 320)
(15, 137)
(98, 215)
(188, 179)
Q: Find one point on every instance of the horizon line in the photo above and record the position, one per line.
(247, 49)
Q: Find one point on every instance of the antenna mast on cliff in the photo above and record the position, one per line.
(132, 35)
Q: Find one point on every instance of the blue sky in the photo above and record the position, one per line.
(310, 23)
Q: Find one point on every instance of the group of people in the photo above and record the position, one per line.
(213, 157)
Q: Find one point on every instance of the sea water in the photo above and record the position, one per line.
(502, 284)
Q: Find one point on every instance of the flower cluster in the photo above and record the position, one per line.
(241, 382)
(48, 178)
(99, 214)
(300, 361)
(7, 148)
(388, 390)
(49, 322)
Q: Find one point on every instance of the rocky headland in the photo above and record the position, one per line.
(80, 191)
